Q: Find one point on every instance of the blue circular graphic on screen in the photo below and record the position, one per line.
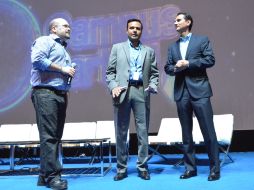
(18, 29)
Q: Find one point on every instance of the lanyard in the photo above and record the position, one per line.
(135, 57)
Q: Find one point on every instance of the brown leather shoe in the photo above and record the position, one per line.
(144, 175)
(213, 176)
(188, 174)
(120, 176)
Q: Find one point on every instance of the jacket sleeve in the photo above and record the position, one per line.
(205, 58)
(170, 65)
(154, 77)
(111, 69)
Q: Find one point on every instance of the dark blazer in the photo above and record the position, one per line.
(200, 56)
(117, 73)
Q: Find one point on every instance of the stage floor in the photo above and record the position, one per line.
(164, 176)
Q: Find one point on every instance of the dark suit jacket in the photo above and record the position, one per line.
(117, 73)
(200, 56)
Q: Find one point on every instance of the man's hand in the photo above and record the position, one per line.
(68, 71)
(181, 65)
(117, 91)
(151, 90)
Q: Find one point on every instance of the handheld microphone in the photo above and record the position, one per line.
(70, 78)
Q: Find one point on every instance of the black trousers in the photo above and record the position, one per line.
(50, 109)
(203, 110)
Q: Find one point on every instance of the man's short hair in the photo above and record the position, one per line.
(134, 20)
(187, 16)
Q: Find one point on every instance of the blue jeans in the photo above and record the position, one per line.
(50, 109)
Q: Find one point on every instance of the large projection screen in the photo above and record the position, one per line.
(98, 24)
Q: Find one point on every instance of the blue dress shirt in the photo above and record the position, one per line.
(46, 50)
(135, 61)
(184, 42)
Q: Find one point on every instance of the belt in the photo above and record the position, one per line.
(50, 90)
(136, 83)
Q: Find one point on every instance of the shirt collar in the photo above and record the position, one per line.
(185, 38)
(136, 48)
(58, 40)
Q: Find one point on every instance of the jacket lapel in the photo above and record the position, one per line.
(189, 46)
(127, 51)
(178, 49)
(143, 55)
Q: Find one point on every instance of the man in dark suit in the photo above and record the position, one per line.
(188, 59)
(131, 76)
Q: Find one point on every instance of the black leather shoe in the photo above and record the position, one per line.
(188, 174)
(41, 181)
(144, 175)
(120, 176)
(57, 184)
(213, 176)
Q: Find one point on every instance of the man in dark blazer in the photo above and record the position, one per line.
(188, 59)
(131, 76)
